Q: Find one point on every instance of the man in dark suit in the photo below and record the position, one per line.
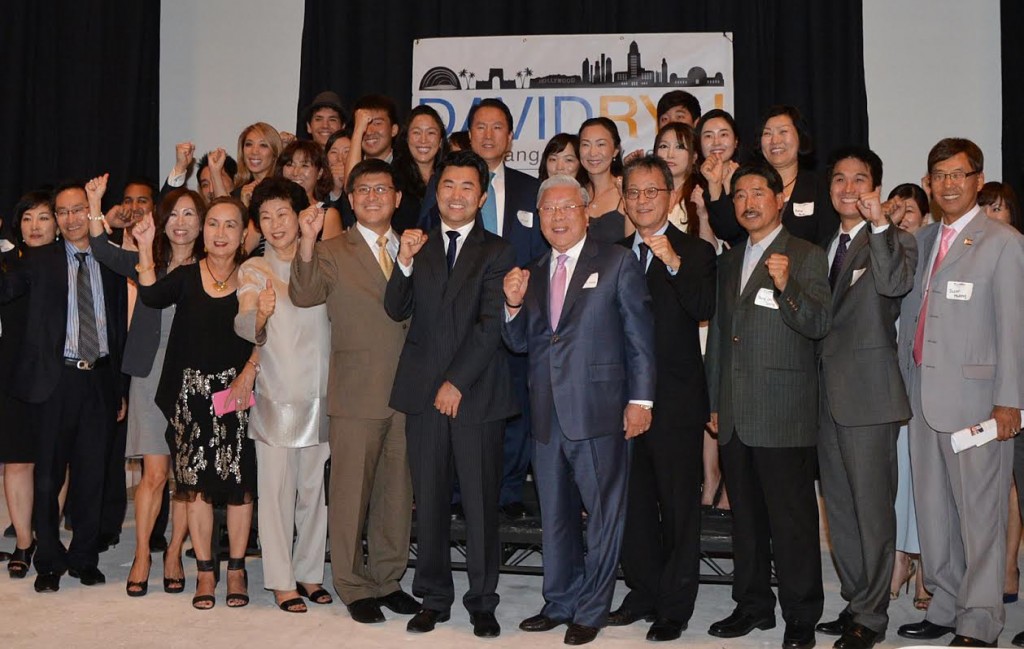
(661, 546)
(773, 304)
(70, 373)
(453, 383)
(862, 396)
(587, 326)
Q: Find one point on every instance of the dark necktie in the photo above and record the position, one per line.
(88, 337)
(453, 236)
(645, 251)
(837, 263)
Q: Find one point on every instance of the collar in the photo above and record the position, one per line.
(573, 253)
(637, 239)
(960, 224)
(463, 231)
(767, 241)
(371, 237)
(72, 250)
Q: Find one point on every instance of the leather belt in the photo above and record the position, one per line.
(79, 364)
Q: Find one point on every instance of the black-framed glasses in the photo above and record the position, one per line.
(650, 192)
(380, 190)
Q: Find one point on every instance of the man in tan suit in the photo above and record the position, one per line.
(369, 473)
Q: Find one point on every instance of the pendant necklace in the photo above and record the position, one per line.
(218, 284)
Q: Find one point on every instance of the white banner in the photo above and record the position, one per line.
(553, 83)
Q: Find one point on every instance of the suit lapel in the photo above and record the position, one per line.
(362, 252)
(851, 261)
(540, 286)
(760, 273)
(584, 267)
(973, 231)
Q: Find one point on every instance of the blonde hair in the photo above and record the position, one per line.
(243, 176)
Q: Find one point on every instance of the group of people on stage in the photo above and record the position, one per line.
(384, 322)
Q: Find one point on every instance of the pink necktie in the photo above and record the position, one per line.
(558, 291)
(948, 234)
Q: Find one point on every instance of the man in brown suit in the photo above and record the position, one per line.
(369, 472)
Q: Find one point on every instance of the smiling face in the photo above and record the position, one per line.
(850, 178)
(563, 163)
(138, 199)
(718, 138)
(206, 182)
(301, 171)
(257, 153)
(490, 136)
(955, 198)
(38, 226)
(424, 139)
(379, 134)
(183, 222)
(758, 208)
(912, 217)
(72, 209)
(647, 214)
(279, 224)
(223, 231)
(323, 124)
(459, 195)
(565, 226)
(373, 207)
(780, 142)
(597, 149)
(673, 151)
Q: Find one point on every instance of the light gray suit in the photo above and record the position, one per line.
(973, 358)
(863, 401)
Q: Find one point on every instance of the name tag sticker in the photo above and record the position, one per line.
(857, 272)
(766, 297)
(525, 218)
(803, 209)
(591, 281)
(959, 290)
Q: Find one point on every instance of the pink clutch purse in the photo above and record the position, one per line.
(223, 404)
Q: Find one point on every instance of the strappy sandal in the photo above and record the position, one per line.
(20, 561)
(317, 596)
(171, 584)
(200, 600)
(138, 588)
(238, 600)
(293, 605)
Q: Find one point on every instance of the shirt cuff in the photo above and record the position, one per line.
(510, 317)
(406, 270)
(175, 180)
(878, 229)
(642, 402)
(672, 273)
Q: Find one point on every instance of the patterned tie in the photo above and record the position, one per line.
(489, 212)
(948, 234)
(88, 338)
(383, 258)
(645, 251)
(558, 291)
(837, 263)
(453, 236)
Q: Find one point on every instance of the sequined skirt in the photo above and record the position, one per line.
(211, 456)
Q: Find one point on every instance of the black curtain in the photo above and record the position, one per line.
(80, 91)
(803, 52)
(1011, 20)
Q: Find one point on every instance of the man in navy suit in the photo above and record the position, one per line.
(588, 328)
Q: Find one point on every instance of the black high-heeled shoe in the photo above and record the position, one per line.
(204, 566)
(241, 599)
(140, 587)
(174, 585)
(20, 561)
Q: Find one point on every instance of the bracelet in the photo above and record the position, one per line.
(255, 365)
(143, 269)
(101, 217)
(513, 306)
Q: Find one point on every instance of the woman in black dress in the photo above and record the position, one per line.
(33, 226)
(212, 458)
(601, 157)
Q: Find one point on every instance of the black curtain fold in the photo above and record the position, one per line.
(1011, 20)
(804, 52)
(80, 87)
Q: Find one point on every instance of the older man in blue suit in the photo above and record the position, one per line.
(587, 325)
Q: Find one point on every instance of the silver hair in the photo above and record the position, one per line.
(563, 181)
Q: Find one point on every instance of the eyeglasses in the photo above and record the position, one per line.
(957, 176)
(74, 211)
(379, 190)
(551, 210)
(650, 192)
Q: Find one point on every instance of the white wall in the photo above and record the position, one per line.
(225, 64)
(932, 70)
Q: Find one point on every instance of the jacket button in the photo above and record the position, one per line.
(735, 339)
(405, 326)
(554, 338)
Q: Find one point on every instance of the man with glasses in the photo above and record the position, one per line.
(582, 314)
(963, 362)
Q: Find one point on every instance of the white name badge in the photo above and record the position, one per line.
(591, 281)
(857, 273)
(525, 218)
(959, 290)
(766, 297)
(803, 209)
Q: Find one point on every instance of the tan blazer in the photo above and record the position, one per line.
(365, 342)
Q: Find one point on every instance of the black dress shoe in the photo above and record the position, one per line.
(400, 602)
(968, 641)
(837, 626)
(740, 624)
(540, 623)
(515, 511)
(88, 576)
(579, 634)
(426, 620)
(1018, 640)
(9, 532)
(798, 636)
(366, 611)
(858, 636)
(47, 582)
(665, 629)
(923, 630)
(485, 625)
(624, 616)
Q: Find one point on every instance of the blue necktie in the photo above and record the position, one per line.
(489, 212)
(837, 262)
(453, 236)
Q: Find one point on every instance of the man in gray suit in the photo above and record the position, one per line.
(862, 398)
(773, 303)
(962, 359)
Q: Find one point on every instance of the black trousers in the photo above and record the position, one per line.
(440, 448)
(75, 427)
(661, 543)
(115, 495)
(775, 512)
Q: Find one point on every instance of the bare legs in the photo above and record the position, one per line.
(713, 476)
(18, 491)
(1013, 532)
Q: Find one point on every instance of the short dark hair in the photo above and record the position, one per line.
(762, 169)
(650, 163)
(236, 203)
(948, 147)
(144, 181)
(378, 102)
(682, 98)
(490, 102)
(992, 192)
(367, 167)
(609, 126)
(276, 187)
(230, 166)
(24, 204)
(861, 153)
(911, 191)
(466, 159)
(557, 144)
(65, 185)
(459, 139)
(803, 131)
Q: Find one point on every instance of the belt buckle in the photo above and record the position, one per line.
(83, 365)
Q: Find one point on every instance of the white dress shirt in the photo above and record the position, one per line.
(461, 241)
(371, 240)
(753, 253)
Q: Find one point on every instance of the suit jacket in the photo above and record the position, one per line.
(973, 358)
(455, 331)
(762, 375)
(600, 357)
(680, 303)
(858, 356)
(365, 342)
(44, 277)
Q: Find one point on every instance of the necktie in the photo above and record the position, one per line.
(645, 251)
(453, 236)
(489, 211)
(837, 262)
(948, 234)
(88, 338)
(383, 258)
(558, 291)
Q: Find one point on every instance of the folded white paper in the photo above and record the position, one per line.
(974, 436)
